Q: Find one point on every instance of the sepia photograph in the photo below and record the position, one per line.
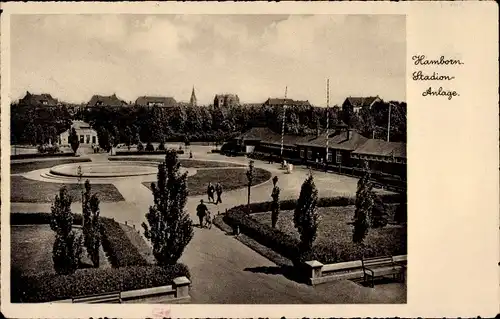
(208, 159)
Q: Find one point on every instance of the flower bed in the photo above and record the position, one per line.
(286, 244)
(52, 287)
(40, 155)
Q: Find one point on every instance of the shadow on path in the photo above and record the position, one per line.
(288, 272)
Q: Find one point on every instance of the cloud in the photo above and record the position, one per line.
(75, 56)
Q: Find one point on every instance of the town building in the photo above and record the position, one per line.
(109, 101)
(275, 102)
(159, 101)
(38, 100)
(193, 101)
(86, 134)
(226, 100)
(355, 104)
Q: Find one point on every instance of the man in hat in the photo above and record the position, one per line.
(201, 211)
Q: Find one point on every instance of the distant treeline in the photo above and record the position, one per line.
(132, 124)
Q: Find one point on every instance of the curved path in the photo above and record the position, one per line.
(217, 262)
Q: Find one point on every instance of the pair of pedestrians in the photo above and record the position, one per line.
(212, 190)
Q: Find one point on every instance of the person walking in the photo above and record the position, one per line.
(201, 211)
(210, 192)
(218, 190)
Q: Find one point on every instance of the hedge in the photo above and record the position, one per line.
(38, 218)
(288, 246)
(145, 152)
(52, 287)
(290, 204)
(39, 155)
(121, 252)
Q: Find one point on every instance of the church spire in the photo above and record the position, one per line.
(192, 101)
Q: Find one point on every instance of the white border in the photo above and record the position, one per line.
(452, 173)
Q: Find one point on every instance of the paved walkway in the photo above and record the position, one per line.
(223, 269)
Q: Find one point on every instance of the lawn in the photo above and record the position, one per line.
(335, 231)
(31, 249)
(184, 162)
(230, 178)
(139, 242)
(26, 190)
(17, 168)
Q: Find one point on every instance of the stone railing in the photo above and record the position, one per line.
(176, 293)
(320, 273)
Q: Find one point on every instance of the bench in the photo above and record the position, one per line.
(379, 267)
(109, 297)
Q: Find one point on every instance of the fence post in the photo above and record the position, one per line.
(181, 286)
(316, 270)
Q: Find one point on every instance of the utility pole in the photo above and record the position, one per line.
(283, 125)
(327, 118)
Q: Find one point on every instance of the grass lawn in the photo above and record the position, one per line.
(31, 249)
(139, 242)
(26, 190)
(335, 231)
(17, 168)
(230, 178)
(184, 162)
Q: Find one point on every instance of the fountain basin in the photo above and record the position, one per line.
(106, 169)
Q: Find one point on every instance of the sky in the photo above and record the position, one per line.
(75, 56)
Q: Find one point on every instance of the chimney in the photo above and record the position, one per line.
(349, 133)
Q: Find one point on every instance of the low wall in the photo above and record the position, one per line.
(176, 293)
(320, 273)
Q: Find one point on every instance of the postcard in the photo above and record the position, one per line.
(197, 159)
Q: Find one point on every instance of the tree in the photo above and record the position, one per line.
(91, 225)
(275, 204)
(67, 247)
(170, 227)
(401, 214)
(73, 140)
(364, 206)
(306, 216)
(249, 173)
(379, 214)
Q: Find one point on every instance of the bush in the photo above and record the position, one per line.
(140, 147)
(161, 147)
(150, 147)
(51, 287)
(48, 149)
(121, 252)
(124, 153)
